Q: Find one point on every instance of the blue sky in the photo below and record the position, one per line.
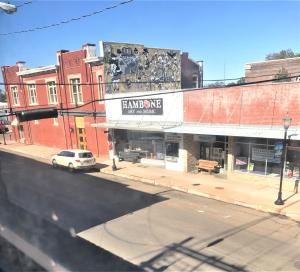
(224, 34)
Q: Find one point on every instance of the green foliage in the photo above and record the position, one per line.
(282, 75)
(241, 81)
(283, 54)
(238, 82)
(217, 84)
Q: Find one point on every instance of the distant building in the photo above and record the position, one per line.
(135, 67)
(265, 70)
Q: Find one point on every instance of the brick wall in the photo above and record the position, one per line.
(267, 69)
(264, 104)
(192, 149)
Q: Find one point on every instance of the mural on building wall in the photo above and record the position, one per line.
(132, 67)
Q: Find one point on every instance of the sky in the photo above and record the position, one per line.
(224, 34)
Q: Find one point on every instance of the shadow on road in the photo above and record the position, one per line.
(46, 207)
(65, 249)
(70, 200)
(169, 258)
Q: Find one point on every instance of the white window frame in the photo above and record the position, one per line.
(12, 92)
(195, 81)
(79, 90)
(100, 88)
(49, 88)
(55, 122)
(31, 102)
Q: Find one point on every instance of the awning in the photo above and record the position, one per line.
(134, 125)
(275, 132)
(271, 132)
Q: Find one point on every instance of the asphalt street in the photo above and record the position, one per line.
(75, 218)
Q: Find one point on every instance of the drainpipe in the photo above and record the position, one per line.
(61, 104)
(94, 107)
(26, 107)
(9, 98)
(66, 98)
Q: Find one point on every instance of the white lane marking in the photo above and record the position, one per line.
(227, 216)
(200, 211)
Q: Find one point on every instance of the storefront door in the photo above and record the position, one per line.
(214, 150)
(81, 135)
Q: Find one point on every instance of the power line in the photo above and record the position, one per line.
(68, 20)
(177, 91)
(165, 92)
(23, 4)
(142, 82)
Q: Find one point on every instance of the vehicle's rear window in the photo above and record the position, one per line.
(85, 155)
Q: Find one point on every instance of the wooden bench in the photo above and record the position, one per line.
(210, 166)
(129, 156)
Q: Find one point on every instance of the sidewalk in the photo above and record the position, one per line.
(251, 192)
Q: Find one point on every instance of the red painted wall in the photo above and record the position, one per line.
(264, 104)
(45, 132)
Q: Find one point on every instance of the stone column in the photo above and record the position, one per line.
(192, 149)
(231, 155)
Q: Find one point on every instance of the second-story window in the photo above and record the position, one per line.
(76, 93)
(100, 87)
(32, 94)
(52, 95)
(195, 81)
(15, 95)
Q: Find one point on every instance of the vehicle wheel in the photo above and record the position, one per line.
(54, 163)
(71, 167)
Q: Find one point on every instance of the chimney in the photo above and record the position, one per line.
(21, 65)
(59, 53)
(90, 50)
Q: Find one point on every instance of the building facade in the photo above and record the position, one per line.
(240, 127)
(74, 80)
(268, 69)
(76, 85)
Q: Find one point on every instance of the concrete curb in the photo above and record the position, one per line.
(291, 215)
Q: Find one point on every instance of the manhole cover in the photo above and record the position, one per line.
(219, 188)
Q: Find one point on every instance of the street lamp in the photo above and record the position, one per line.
(286, 124)
(8, 8)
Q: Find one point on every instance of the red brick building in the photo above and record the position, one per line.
(74, 80)
(78, 77)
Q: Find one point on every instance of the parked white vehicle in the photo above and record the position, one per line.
(74, 159)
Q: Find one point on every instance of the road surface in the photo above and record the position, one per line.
(69, 216)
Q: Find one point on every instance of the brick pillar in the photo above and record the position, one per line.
(231, 154)
(192, 150)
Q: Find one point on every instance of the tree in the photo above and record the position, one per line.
(283, 54)
(2, 96)
(239, 82)
(217, 84)
(282, 75)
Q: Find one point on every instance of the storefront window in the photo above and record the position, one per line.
(242, 157)
(214, 150)
(172, 149)
(256, 155)
(293, 159)
(150, 145)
